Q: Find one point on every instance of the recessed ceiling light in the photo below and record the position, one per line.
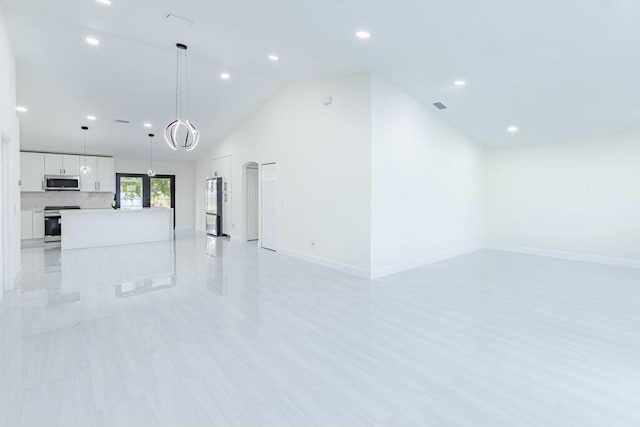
(363, 35)
(225, 76)
(105, 2)
(21, 109)
(513, 129)
(274, 58)
(92, 41)
(147, 125)
(460, 83)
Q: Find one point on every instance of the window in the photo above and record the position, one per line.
(130, 194)
(137, 191)
(161, 192)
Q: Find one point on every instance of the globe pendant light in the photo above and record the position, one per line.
(181, 133)
(85, 169)
(151, 171)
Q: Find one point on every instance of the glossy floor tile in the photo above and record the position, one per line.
(211, 333)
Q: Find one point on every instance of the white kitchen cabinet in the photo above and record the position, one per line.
(38, 224)
(31, 172)
(70, 164)
(106, 175)
(32, 224)
(26, 225)
(101, 176)
(53, 164)
(61, 164)
(89, 181)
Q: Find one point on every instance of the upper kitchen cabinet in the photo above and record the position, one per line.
(31, 172)
(106, 175)
(101, 175)
(89, 180)
(71, 164)
(61, 164)
(53, 164)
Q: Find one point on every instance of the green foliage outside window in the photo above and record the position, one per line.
(160, 192)
(131, 192)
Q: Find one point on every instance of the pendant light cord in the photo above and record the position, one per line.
(84, 144)
(177, 80)
(186, 74)
(150, 153)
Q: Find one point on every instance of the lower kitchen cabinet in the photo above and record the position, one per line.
(32, 224)
(26, 225)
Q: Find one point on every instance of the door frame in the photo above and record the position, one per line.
(5, 213)
(261, 208)
(146, 190)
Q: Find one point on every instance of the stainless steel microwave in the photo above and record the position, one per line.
(61, 183)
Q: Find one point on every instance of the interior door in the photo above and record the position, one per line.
(252, 203)
(269, 200)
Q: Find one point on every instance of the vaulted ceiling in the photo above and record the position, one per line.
(555, 69)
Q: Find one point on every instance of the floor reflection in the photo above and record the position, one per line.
(58, 299)
(140, 287)
(215, 246)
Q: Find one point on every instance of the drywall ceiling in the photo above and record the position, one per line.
(555, 69)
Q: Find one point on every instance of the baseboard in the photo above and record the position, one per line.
(377, 273)
(574, 256)
(334, 265)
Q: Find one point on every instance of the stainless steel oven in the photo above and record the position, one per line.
(53, 224)
(61, 183)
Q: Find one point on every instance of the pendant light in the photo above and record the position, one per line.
(181, 133)
(151, 171)
(85, 169)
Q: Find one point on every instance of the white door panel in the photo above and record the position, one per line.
(252, 204)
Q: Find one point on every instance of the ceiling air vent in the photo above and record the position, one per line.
(180, 19)
(439, 105)
(124, 122)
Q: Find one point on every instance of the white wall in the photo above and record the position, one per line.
(184, 172)
(9, 127)
(323, 156)
(428, 189)
(578, 199)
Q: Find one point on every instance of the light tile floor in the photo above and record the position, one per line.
(167, 335)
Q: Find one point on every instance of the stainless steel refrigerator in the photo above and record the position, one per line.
(214, 206)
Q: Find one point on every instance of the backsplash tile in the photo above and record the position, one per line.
(66, 198)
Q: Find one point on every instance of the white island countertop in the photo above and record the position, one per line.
(90, 228)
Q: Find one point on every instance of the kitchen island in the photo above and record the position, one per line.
(91, 228)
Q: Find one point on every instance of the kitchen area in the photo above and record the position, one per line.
(69, 201)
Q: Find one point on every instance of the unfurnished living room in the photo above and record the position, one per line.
(319, 213)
